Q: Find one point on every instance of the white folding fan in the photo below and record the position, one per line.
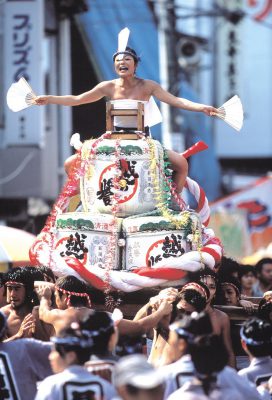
(123, 36)
(232, 113)
(20, 95)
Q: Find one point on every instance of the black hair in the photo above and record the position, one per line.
(128, 51)
(47, 272)
(194, 298)
(128, 345)
(257, 335)
(228, 266)
(193, 325)
(206, 271)
(220, 299)
(265, 310)
(72, 284)
(24, 275)
(233, 281)
(205, 287)
(209, 356)
(246, 269)
(35, 273)
(260, 264)
(83, 351)
(101, 327)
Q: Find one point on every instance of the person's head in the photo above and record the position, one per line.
(256, 337)
(3, 325)
(247, 276)
(209, 278)
(192, 297)
(209, 356)
(20, 288)
(126, 62)
(265, 310)
(264, 270)
(72, 346)
(228, 267)
(184, 330)
(34, 273)
(128, 345)
(71, 292)
(134, 378)
(102, 329)
(48, 274)
(231, 290)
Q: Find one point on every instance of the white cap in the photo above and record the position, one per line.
(136, 371)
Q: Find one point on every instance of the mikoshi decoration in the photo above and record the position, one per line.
(232, 113)
(207, 248)
(20, 95)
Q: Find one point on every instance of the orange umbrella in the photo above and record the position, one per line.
(14, 247)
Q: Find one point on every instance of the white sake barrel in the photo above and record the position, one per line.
(151, 241)
(136, 185)
(87, 237)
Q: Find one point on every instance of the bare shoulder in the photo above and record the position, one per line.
(106, 84)
(6, 310)
(106, 87)
(150, 84)
(51, 315)
(222, 316)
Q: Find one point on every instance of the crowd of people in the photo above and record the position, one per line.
(56, 343)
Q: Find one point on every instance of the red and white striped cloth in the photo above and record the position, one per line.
(129, 281)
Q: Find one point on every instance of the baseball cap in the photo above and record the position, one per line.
(136, 371)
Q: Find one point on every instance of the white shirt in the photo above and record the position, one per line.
(177, 374)
(182, 371)
(258, 371)
(74, 379)
(194, 391)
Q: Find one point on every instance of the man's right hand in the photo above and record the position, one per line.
(44, 289)
(41, 100)
(170, 294)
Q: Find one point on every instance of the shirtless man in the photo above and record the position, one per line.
(72, 300)
(129, 86)
(192, 297)
(20, 311)
(219, 319)
(74, 303)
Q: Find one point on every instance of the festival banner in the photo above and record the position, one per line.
(23, 53)
(255, 200)
(231, 226)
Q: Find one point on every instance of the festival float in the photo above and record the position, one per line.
(119, 223)
(131, 229)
